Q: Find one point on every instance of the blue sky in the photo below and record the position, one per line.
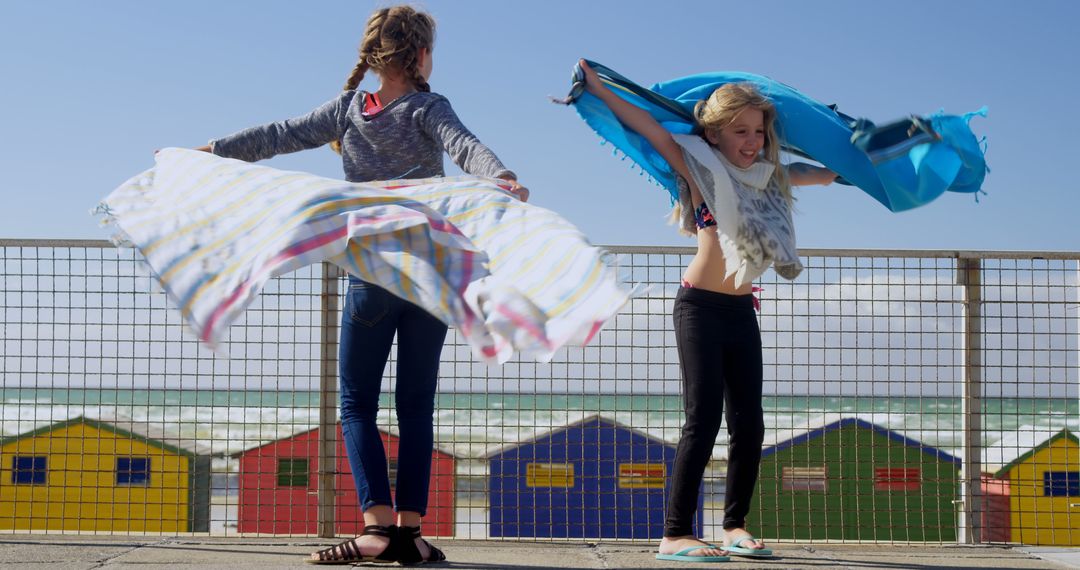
(90, 89)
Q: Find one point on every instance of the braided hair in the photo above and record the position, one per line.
(393, 38)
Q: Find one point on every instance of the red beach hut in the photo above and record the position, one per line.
(279, 488)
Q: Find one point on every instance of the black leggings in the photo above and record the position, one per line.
(720, 357)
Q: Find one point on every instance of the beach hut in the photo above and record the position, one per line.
(850, 479)
(104, 474)
(993, 524)
(279, 487)
(994, 517)
(594, 478)
(1044, 481)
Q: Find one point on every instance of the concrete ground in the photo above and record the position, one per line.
(79, 552)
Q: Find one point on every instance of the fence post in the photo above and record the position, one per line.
(328, 356)
(969, 275)
(1077, 505)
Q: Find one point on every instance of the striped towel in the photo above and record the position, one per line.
(508, 275)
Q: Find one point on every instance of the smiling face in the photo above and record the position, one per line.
(740, 141)
(741, 123)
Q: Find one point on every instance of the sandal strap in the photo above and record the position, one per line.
(436, 554)
(340, 551)
(411, 533)
(349, 550)
(739, 543)
(387, 531)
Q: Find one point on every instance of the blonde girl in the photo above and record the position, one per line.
(732, 169)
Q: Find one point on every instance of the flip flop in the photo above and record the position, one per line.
(684, 555)
(737, 550)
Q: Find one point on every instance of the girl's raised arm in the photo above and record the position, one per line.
(639, 121)
(325, 124)
(802, 174)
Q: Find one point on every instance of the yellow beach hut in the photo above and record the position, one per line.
(114, 474)
(1044, 481)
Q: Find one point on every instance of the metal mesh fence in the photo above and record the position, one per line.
(884, 370)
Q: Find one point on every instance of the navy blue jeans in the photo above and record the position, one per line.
(371, 318)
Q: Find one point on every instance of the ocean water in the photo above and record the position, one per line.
(471, 425)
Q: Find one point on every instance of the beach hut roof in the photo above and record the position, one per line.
(500, 449)
(303, 430)
(1010, 447)
(154, 433)
(832, 422)
(1017, 447)
(306, 430)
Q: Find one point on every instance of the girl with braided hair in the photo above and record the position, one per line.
(397, 131)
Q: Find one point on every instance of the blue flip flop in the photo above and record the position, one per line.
(684, 555)
(737, 550)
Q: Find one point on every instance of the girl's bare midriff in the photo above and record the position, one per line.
(707, 269)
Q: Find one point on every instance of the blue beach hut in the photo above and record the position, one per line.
(594, 478)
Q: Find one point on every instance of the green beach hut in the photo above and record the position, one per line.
(850, 479)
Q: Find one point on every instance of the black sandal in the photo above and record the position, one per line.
(348, 552)
(409, 554)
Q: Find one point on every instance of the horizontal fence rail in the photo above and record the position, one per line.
(910, 396)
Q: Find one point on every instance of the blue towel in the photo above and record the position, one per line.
(902, 165)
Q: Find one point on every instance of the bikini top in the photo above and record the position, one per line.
(372, 105)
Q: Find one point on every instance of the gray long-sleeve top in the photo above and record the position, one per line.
(404, 140)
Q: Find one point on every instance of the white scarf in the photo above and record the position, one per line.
(753, 218)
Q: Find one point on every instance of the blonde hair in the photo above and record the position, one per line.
(393, 38)
(724, 105)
